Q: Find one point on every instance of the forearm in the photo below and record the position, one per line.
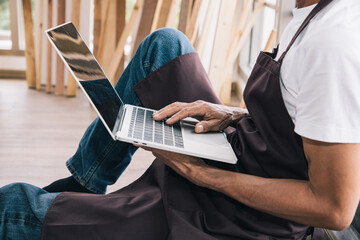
(290, 199)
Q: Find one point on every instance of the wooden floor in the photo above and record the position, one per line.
(39, 132)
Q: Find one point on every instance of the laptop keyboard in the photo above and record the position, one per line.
(143, 127)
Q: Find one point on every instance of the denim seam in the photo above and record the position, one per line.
(152, 66)
(85, 180)
(81, 181)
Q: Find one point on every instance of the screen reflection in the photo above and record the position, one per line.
(87, 71)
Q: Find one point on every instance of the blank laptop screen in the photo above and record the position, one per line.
(87, 71)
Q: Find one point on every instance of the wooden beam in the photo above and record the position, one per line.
(75, 18)
(185, 14)
(60, 74)
(222, 38)
(163, 8)
(170, 22)
(12, 74)
(271, 40)
(97, 25)
(204, 37)
(40, 34)
(193, 25)
(48, 87)
(29, 44)
(107, 36)
(225, 84)
(113, 21)
(117, 56)
(238, 30)
(9, 52)
(120, 25)
(14, 25)
(146, 22)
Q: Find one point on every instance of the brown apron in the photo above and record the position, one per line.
(163, 205)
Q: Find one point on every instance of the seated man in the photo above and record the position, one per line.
(298, 151)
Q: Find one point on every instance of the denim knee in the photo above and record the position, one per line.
(163, 45)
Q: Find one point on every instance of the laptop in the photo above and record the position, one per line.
(129, 123)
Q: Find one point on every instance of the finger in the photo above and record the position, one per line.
(207, 126)
(168, 111)
(194, 111)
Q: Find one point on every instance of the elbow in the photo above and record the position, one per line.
(339, 219)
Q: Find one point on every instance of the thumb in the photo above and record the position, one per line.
(205, 126)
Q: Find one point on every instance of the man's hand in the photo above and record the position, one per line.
(212, 117)
(189, 167)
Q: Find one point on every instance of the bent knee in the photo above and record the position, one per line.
(171, 39)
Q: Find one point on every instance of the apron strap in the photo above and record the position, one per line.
(321, 5)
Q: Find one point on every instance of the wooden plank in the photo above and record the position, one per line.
(170, 22)
(107, 37)
(146, 22)
(204, 37)
(120, 25)
(29, 44)
(117, 56)
(12, 74)
(60, 74)
(40, 34)
(48, 87)
(120, 18)
(185, 14)
(246, 9)
(75, 18)
(193, 25)
(222, 38)
(225, 85)
(246, 31)
(271, 41)
(14, 25)
(9, 52)
(161, 17)
(97, 25)
(112, 22)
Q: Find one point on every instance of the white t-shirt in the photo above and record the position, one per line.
(320, 75)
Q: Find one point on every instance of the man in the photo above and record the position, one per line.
(298, 150)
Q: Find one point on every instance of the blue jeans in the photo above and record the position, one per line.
(99, 160)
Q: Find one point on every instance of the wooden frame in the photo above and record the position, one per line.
(75, 18)
(48, 84)
(30, 46)
(60, 68)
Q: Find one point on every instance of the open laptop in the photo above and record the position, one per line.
(130, 123)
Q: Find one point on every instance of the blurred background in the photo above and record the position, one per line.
(42, 112)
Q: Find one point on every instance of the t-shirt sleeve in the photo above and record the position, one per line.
(328, 101)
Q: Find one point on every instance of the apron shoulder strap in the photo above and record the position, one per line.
(321, 5)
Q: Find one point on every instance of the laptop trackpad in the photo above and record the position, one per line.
(191, 138)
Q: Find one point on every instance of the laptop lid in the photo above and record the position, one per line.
(88, 73)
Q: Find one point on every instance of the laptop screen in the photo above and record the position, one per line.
(87, 72)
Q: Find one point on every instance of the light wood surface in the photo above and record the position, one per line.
(29, 44)
(204, 37)
(222, 39)
(40, 34)
(48, 87)
(271, 41)
(146, 22)
(97, 26)
(165, 10)
(118, 55)
(185, 14)
(60, 68)
(39, 132)
(75, 18)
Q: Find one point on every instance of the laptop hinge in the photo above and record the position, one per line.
(119, 120)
